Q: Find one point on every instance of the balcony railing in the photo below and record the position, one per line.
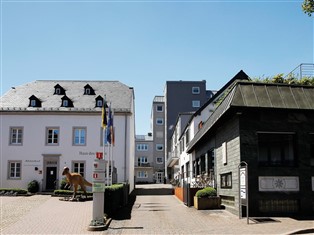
(142, 164)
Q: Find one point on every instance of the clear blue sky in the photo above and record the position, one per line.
(146, 43)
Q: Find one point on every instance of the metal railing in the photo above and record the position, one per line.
(196, 181)
(302, 70)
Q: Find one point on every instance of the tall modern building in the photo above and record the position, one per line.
(180, 97)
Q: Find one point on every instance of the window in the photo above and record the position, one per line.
(142, 174)
(79, 136)
(226, 180)
(99, 103)
(52, 136)
(195, 90)
(159, 160)
(159, 147)
(65, 103)
(142, 147)
(159, 121)
(276, 149)
(59, 90)
(141, 161)
(196, 103)
(79, 167)
(16, 135)
(88, 90)
(14, 170)
(187, 137)
(34, 102)
(159, 108)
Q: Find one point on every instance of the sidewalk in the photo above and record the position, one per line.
(150, 214)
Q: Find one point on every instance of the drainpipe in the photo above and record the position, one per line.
(125, 146)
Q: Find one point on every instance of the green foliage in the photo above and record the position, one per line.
(290, 79)
(62, 192)
(33, 186)
(206, 192)
(112, 188)
(14, 190)
(63, 183)
(308, 7)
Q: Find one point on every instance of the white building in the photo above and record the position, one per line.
(47, 125)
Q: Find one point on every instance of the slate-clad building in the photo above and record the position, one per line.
(47, 125)
(271, 128)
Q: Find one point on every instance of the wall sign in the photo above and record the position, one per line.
(278, 183)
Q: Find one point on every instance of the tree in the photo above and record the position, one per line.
(308, 7)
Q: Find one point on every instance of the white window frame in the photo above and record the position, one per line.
(99, 103)
(53, 129)
(159, 121)
(196, 103)
(17, 137)
(16, 175)
(159, 162)
(82, 139)
(142, 174)
(158, 146)
(142, 147)
(196, 90)
(33, 103)
(162, 108)
(65, 103)
(77, 169)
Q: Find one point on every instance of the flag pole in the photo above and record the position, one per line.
(112, 143)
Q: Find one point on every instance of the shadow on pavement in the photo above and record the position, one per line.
(124, 213)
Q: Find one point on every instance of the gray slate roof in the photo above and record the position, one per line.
(120, 96)
(259, 95)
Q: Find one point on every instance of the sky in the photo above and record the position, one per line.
(143, 44)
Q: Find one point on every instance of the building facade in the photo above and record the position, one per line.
(47, 125)
(270, 128)
(180, 97)
(144, 159)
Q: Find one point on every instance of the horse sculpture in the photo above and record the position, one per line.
(76, 180)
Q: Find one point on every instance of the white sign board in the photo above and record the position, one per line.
(278, 183)
(243, 183)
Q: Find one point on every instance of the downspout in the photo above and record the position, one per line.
(125, 145)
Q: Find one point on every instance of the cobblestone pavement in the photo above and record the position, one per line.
(162, 214)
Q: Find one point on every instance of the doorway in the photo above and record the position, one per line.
(159, 177)
(51, 177)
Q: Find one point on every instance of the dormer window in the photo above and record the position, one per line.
(59, 90)
(34, 102)
(99, 102)
(66, 102)
(88, 90)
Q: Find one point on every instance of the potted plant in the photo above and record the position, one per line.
(207, 198)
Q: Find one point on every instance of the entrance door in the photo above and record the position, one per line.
(51, 176)
(159, 177)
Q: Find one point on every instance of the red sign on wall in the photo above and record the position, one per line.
(99, 155)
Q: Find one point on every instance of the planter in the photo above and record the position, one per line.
(206, 203)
